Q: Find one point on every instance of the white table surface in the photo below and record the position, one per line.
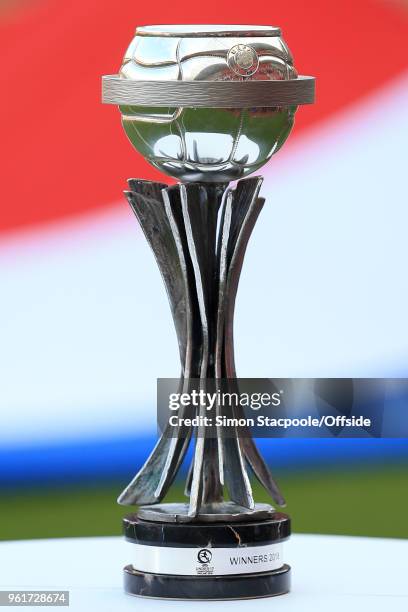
(345, 573)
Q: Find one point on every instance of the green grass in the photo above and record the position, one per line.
(367, 502)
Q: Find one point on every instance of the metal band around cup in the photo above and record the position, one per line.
(208, 94)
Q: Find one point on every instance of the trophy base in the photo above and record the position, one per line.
(237, 586)
(207, 560)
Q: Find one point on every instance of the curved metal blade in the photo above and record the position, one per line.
(200, 210)
(233, 474)
(247, 209)
(156, 475)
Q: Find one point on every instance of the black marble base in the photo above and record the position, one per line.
(155, 574)
(236, 586)
(276, 528)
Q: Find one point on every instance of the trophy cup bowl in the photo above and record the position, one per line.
(206, 105)
(207, 144)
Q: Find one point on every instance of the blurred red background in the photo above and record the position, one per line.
(63, 153)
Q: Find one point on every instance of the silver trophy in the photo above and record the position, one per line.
(207, 105)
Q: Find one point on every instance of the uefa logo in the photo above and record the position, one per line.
(204, 555)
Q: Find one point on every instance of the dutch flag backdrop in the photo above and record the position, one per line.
(85, 324)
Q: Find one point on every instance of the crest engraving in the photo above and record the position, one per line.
(243, 60)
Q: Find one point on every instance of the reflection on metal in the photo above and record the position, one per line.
(209, 30)
(153, 118)
(207, 103)
(211, 513)
(201, 271)
(207, 144)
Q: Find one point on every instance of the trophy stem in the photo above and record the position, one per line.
(199, 234)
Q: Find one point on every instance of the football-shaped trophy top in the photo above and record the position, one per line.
(207, 143)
